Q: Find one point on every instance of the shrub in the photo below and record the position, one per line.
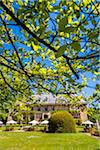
(61, 122)
(78, 121)
(95, 132)
(9, 128)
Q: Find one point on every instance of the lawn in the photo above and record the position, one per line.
(46, 141)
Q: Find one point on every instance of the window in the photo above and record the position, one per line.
(53, 108)
(46, 108)
(45, 116)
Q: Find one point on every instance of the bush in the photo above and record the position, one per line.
(61, 122)
(95, 132)
(9, 128)
(78, 121)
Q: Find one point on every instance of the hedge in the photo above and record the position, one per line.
(61, 122)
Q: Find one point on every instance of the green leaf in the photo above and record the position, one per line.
(35, 47)
(76, 45)
(12, 9)
(70, 29)
(93, 22)
(20, 2)
(26, 1)
(16, 79)
(82, 50)
(82, 28)
(19, 12)
(55, 8)
(78, 14)
(11, 1)
(42, 71)
(1, 44)
(8, 17)
(28, 44)
(93, 35)
(61, 50)
(62, 24)
(86, 22)
(41, 30)
(20, 49)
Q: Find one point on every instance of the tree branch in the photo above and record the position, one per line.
(10, 39)
(35, 36)
(14, 88)
(9, 61)
(7, 82)
(93, 55)
(12, 68)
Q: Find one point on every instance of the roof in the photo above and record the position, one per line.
(49, 99)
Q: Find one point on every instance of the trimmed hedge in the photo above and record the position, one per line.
(61, 122)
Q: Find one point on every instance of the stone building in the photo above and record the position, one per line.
(45, 105)
(43, 111)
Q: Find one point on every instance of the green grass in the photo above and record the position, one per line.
(46, 141)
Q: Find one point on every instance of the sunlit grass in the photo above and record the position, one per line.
(46, 141)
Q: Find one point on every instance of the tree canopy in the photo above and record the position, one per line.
(48, 45)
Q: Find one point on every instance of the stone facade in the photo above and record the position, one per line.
(43, 111)
(45, 105)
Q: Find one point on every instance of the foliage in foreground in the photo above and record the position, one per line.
(62, 122)
(47, 43)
